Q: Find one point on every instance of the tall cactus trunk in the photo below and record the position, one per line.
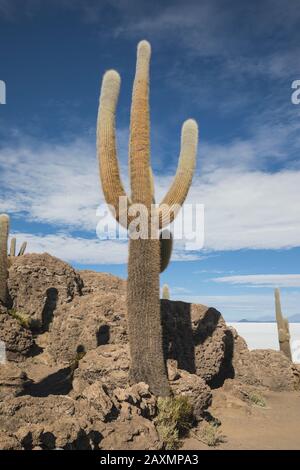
(282, 327)
(144, 321)
(4, 231)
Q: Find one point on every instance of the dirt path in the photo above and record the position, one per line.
(276, 426)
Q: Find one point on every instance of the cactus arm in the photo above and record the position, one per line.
(166, 246)
(178, 191)
(139, 146)
(106, 144)
(4, 231)
(12, 251)
(22, 249)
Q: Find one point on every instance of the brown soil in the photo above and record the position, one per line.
(248, 427)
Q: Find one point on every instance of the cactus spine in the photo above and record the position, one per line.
(4, 231)
(166, 292)
(282, 327)
(146, 256)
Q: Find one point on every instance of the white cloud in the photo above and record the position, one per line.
(88, 250)
(262, 280)
(249, 209)
(76, 249)
(236, 307)
(59, 185)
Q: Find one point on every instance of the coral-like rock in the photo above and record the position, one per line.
(109, 363)
(264, 367)
(89, 321)
(193, 387)
(38, 284)
(18, 341)
(195, 336)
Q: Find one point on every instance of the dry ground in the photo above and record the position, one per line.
(249, 427)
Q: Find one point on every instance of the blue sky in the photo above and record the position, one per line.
(228, 64)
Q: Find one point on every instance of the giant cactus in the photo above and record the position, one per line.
(283, 327)
(147, 257)
(4, 231)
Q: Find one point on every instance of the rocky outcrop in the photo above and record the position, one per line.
(12, 381)
(72, 361)
(263, 367)
(108, 363)
(38, 284)
(89, 321)
(191, 386)
(101, 282)
(18, 341)
(195, 336)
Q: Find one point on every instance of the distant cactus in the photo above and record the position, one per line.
(147, 257)
(166, 292)
(4, 231)
(282, 327)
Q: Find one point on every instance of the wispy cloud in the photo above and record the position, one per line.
(262, 280)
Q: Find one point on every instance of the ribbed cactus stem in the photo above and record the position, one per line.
(166, 292)
(12, 251)
(22, 249)
(166, 246)
(282, 327)
(4, 231)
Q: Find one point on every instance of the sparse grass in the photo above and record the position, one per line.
(23, 318)
(174, 419)
(210, 434)
(257, 399)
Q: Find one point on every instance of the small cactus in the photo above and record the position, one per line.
(166, 292)
(282, 327)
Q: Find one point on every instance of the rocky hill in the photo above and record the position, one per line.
(65, 381)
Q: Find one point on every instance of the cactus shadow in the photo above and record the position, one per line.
(180, 338)
(58, 383)
(103, 335)
(49, 308)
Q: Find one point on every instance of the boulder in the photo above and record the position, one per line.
(38, 284)
(94, 319)
(263, 367)
(137, 433)
(196, 337)
(136, 399)
(9, 442)
(12, 381)
(108, 363)
(18, 341)
(195, 388)
(63, 423)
